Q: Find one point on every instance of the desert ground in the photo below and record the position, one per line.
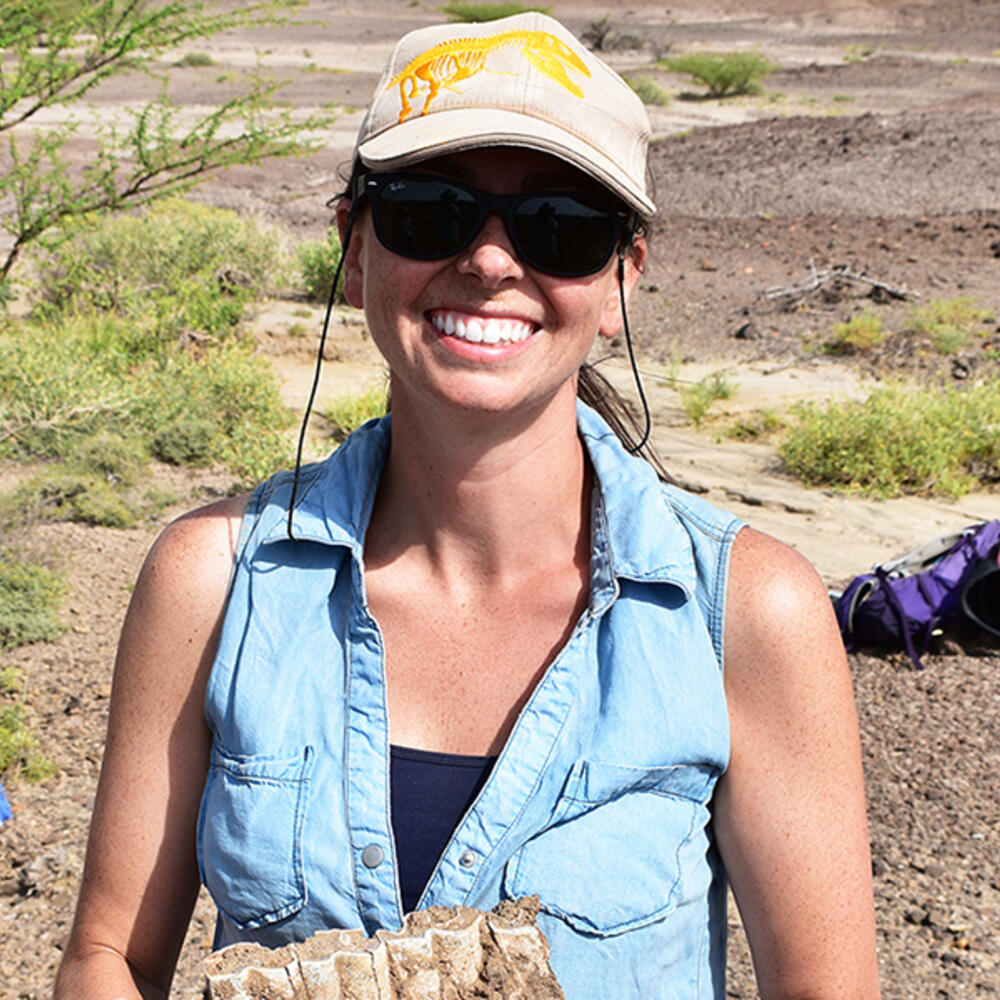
(874, 148)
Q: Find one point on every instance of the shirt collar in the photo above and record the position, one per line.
(335, 497)
(643, 539)
(636, 534)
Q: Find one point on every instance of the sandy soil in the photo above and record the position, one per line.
(875, 148)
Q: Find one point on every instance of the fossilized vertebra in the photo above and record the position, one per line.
(440, 953)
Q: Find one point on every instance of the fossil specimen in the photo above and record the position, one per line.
(441, 953)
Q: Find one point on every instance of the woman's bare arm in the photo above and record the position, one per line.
(790, 810)
(140, 878)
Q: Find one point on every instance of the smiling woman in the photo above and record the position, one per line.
(483, 651)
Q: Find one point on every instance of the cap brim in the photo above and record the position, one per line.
(459, 129)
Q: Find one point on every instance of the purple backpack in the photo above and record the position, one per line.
(902, 603)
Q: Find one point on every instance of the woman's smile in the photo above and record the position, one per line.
(477, 329)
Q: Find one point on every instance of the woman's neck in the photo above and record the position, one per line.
(483, 495)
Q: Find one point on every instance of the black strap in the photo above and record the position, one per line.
(316, 373)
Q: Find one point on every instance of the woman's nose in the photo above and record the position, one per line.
(491, 256)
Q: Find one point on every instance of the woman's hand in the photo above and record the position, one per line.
(790, 810)
(140, 878)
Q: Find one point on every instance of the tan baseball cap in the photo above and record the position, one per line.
(519, 81)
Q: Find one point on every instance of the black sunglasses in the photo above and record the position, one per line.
(561, 233)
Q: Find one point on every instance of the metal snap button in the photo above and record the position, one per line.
(372, 856)
(468, 859)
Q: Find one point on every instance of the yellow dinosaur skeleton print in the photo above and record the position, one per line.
(447, 64)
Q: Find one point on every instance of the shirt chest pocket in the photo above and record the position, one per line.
(250, 835)
(624, 846)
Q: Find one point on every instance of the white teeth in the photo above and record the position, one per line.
(485, 331)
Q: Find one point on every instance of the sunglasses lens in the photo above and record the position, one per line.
(562, 235)
(424, 218)
(428, 219)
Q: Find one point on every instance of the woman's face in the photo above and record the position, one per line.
(419, 312)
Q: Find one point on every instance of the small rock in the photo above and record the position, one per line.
(960, 369)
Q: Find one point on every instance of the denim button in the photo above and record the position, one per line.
(372, 856)
(468, 858)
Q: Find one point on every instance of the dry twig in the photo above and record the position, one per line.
(817, 279)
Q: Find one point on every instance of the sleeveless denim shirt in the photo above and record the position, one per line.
(600, 800)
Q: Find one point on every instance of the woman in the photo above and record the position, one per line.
(482, 651)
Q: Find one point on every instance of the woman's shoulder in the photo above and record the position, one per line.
(769, 576)
(213, 525)
(778, 611)
(194, 554)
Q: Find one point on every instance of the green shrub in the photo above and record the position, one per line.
(63, 383)
(58, 383)
(176, 267)
(899, 441)
(349, 413)
(950, 323)
(18, 751)
(860, 333)
(68, 494)
(30, 599)
(119, 459)
(649, 91)
(135, 332)
(186, 441)
(858, 52)
(724, 73)
(758, 425)
(221, 407)
(197, 59)
(459, 11)
(317, 262)
(698, 398)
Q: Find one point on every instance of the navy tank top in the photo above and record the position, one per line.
(430, 793)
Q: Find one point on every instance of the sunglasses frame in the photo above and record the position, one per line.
(371, 185)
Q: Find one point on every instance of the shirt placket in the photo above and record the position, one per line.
(483, 841)
(367, 774)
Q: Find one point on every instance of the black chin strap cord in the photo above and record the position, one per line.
(634, 449)
(316, 373)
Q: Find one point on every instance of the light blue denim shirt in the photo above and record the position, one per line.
(600, 800)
